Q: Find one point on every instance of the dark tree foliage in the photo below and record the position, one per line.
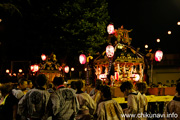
(65, 27)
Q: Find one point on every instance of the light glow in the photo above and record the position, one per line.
(158, 55)
(110, 51)
(43, 57)
(82, 59)
(110, 29)
(66, 69)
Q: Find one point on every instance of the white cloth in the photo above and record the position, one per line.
(34, 104)
(64, 104)
(109, 110)
(17, 93)
(86, 103)
(173, 107)
(135, 105)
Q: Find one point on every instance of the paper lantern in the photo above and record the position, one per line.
(34, 68)
(110, 29)
(43, 57)
(20, 70)
(82, 59)
(158, 55)
(66, 69)
(110, 51)
(7, 71)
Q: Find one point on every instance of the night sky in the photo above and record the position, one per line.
(149, 19)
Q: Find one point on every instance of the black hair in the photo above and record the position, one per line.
(98, 84)
(73, 84)
(141, 87)
(58, 81)
(21, 81)
(79, 85)
(41, 80)
(178, 88)
(29, 81)
(106, 92)
(127, 85)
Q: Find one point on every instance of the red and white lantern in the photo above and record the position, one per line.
(110, 51)
(82, 59)
(158, 55)
(34, 68)
(43, 57)
(110, 29)
(66, 69)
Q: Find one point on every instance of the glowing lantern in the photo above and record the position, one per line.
(72, 69)
(178, 23)
(43, 57)
(82, 59)
(169, 32)
(20, 70)
(66, 69)
(146, 46)
(110, 51)
(14, 74)
(110, 29)
(34, 68)
(158, 40)
(7, 71)
(158, 55)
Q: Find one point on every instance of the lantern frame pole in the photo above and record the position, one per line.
(152, 72)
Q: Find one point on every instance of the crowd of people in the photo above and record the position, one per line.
(56, 101)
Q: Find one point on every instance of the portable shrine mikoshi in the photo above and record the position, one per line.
(122, 61)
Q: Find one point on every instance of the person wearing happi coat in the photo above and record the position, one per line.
(173, 107)
(63, 104)
(108, 109)
(86, 103)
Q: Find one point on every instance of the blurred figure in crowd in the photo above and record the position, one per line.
(33, 105)
(142, 88)
(63, 102)
(21, 89)
(173, 107)
(108, 109)
(73, 85)
(87, 104)
(29, 84)
(8, 103)
(96, 93)
(133, 99)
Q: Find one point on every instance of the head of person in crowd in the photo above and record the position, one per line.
(22, 84)
(73, 85)
(106, 92)
(159, 84)
(29, 84)
(98, 84)
(41, 81)
(79, 86)
(141, 87)
(5, 89)
(126, 87)
(57, 81)
(178, 88)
